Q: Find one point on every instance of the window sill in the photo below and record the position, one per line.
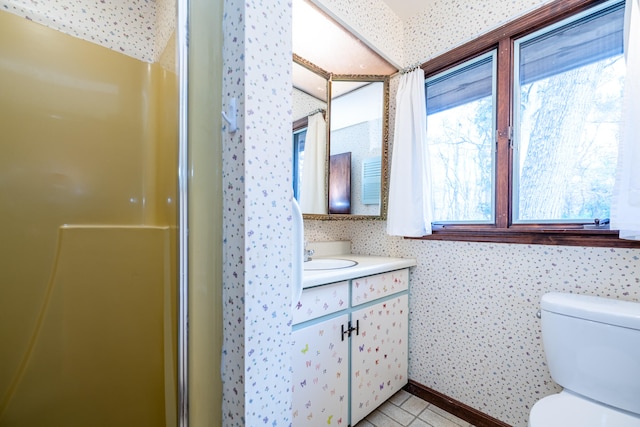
(531, 235)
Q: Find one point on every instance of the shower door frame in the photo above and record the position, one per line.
(183, 204)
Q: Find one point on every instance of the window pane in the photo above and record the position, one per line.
(299, 138)
(460, 135)
(569, 90)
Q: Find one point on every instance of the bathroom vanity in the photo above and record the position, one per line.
(350, 334)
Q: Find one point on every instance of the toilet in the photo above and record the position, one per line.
(592, 347)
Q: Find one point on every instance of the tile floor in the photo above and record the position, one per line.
(406, 410)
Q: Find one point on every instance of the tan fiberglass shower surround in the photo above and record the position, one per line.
(87, 260)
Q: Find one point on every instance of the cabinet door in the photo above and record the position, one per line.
(379, 354)
(321, 374)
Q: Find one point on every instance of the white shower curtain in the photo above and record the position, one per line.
(409, 212)
(625, 208)
(313, 194)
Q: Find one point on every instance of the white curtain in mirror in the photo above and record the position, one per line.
(312, 190)
(625, 209)
(409, 210)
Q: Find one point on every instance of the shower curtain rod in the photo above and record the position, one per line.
(317, 110)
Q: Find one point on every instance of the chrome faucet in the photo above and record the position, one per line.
(307, 253)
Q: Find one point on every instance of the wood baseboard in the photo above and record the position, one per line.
(452, 406)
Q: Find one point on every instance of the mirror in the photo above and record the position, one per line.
(358, 132)
(310, 105)
(340, 120)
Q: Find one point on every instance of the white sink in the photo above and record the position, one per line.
(328, 264)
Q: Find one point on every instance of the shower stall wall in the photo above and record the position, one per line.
(88, 167)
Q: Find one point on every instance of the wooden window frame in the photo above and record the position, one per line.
(504, 231)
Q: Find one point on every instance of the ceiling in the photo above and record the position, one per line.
(405, 9)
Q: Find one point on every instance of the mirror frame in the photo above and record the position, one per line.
(384, 149)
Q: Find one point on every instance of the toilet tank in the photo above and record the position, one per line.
(592, 346)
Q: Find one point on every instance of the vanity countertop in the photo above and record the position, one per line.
(367, 265)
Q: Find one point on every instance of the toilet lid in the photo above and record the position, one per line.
(567, 410)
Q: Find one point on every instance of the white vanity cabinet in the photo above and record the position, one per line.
(339, 378)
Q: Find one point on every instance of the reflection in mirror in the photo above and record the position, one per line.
(310, 85)
(310, 137)
(312, 192)
(356, 128)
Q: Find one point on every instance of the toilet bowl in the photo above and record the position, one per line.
(592, 346)
(566, 409)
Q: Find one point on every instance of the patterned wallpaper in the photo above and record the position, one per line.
(164, 30)
(304, 104)
(474, 335)
(137, 28)
(233, 276)
(257, 219)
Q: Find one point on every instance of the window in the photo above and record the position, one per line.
(522, 128)
(299, 137)
(568, 87)
(460, 134)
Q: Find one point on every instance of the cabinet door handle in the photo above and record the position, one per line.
(350, 329)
